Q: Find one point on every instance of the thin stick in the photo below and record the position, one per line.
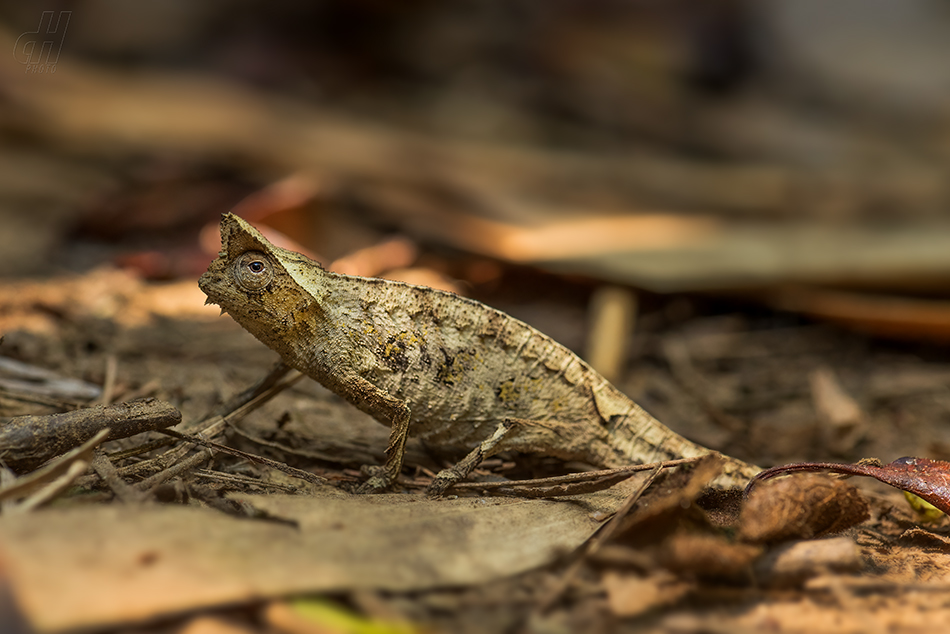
(108, 386)
(250, 400)
(240, 479)
(585, 476)
(234, 408)
(29, 441)
(51, 490)
(594, 543)
(312, 454)
(106, 470)
(24, 485)
(148, 484)
(268, 381)
(280, 466)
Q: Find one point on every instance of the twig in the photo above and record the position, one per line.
(51, 490)
(34, 481)
(108, 385)
(264, 385)
(312, 454)
(280, 466)
(148, 484)
(140, 449)
(594, 543)
(250, 400)
(29, 441)
(106, 470)
(570, 484)
(240, 479)
(234, 408)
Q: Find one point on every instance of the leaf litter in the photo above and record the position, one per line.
(697, 556)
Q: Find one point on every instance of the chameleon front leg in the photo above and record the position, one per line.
(383, 407)
(447, 477)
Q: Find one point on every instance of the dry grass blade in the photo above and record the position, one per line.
(51, 490)
(280, 466)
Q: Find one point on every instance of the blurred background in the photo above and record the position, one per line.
(737, 211)
(707, 168)
(675, 146)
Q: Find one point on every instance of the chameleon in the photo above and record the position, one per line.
(463, 377)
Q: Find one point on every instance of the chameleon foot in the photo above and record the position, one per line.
(377, 482)
(447, 477)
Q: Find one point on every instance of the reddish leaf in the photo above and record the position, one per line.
(927, 479)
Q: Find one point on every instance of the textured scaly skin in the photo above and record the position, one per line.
(459, 366)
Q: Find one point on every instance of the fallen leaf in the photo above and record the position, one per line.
(791, 564)
(95, 566)
(708, 556)
(800, 508)
(926, 511)
(928, 479)
(630, 594)
(213, 625)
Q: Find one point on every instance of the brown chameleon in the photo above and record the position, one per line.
(455, 373)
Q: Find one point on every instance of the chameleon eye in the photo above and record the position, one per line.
(252, 271)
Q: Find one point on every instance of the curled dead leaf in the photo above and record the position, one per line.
(927, 479)
(792, 563)
(800, 508)
(708, 556)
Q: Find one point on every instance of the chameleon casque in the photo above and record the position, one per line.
(448, 370)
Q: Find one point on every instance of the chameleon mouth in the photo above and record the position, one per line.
(207, 284)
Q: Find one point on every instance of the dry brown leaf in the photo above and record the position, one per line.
(630, 594)
(96, 566)
(800, 507)
(669, 502)
(793, 563)
(104, 293)
(213, 625)
(708, 556)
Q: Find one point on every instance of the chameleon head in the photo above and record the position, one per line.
(266, 289)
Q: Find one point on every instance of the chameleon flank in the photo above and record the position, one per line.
(448, 370)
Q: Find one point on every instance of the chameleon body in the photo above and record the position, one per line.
(438, 366)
